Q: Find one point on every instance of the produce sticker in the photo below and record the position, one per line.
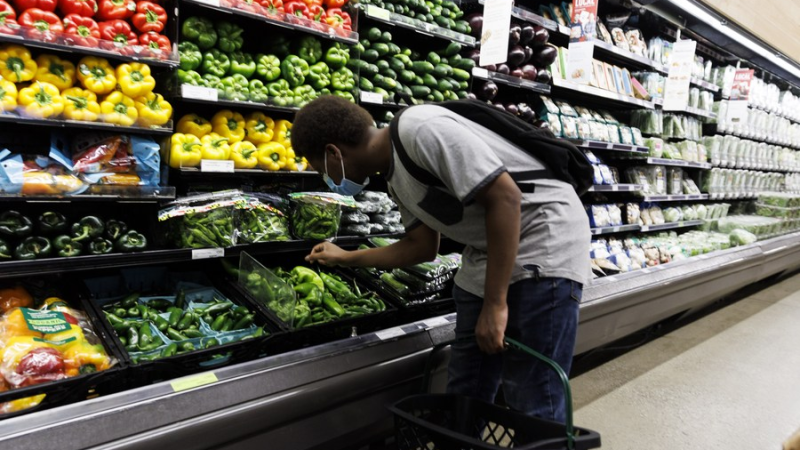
(584, 20)
(47, 322)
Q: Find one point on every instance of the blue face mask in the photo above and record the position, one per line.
(346, 187)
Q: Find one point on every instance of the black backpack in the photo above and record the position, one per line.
(563, 160)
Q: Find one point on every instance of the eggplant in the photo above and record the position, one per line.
(475, 21)
(487, 91)
(514, 34)
(472, 96)
(526, 113)
(545, 56)
(516, 73)
(475, 56)
(516, 55)
(499, 106)
(528, 55)
(528, 31)
(541, 124)
(512, 108)
(540, 36)
(504, 69)
(529, 71)
(491, 68)
(543, 76)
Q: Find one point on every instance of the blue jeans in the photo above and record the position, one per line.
(542, 314)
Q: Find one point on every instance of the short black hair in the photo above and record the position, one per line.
(330, 119)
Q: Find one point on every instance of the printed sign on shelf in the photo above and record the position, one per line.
(584, 20)
(740, 93)
(579, 62)
(496, 26)
(676, 89)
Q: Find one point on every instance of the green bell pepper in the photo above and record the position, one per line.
(14, 224)
(281, 46)
(346, 95)
(304, 95)
(115, 229)
(337, 56)
(212, 81)
(233, 89)
(131, 242)
(242, 63)
(87, 228)
(294, 70)
(216, 63)
(301, 275)
(200, 31)
(319, 75)
(51, 222)
(66, 246)
(190, 77)
(258, 91)
(33, 247)
(279, 88)
(5, 252)
(310, 49)
(100, 246)
(343, 80)
(190, 55)
(310, 294)
(268, 67)
(230, 37)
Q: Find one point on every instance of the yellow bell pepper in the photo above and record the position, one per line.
(21, 403)
(119, 109)
(153, 110)
(56, 71)
(243, 155)
(135, 80)
(41, 100)
(8, 96)
(229, 124)
(194, 125)
(260, 128)
(64, 339)
(84, 358)
(295, 163)
(14, 324)
(184, 151)
(17, 347)
(80, 104)
(96, 75)
(283, 133)
(271, 156)
(214, 146)
(16, 64)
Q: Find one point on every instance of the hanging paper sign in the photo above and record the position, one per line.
(496, 26)
(740, 93)
(584, 20)
(579, 62)
(676, 89)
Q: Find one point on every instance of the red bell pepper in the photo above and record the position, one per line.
(272, 6)
(317, 13)
(339, 19)
(85, 30)
(115, 9)
(41, 365)
(44, 5)
(8, 19)
(247, 5)
(311, 3)
(118, 31)
(334, 3)
(156, 41)
(296, 8)
(149, 17)
(42, 24)
(85, 8)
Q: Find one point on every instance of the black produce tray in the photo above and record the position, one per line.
(156, 279)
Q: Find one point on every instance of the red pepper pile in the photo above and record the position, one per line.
(322, 13)
(84, 22)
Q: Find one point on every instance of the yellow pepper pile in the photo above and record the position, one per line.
(90, 91)
(252, 141)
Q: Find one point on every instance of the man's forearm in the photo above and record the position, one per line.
(502, 244)
(403, 253)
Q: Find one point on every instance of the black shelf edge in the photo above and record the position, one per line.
(671, 225)
(195, 171)
(677, 163)
(377, 14)
(100, 126)
(616, 188)
(611, 230)
(600, 145)
(674, 197)
(713, 128)
(508, 80)
(121, 194)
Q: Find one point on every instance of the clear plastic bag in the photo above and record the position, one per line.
(259, 221)
(203, 221)
(317, 215)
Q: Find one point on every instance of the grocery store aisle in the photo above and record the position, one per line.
(730, 380)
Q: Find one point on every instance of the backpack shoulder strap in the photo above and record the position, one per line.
(420, 174)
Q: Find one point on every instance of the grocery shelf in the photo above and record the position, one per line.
(206, 95)
(385, 16)
(280, 20)
(713, 128)
(734, 196)
(608, 51)
(196, 171)
(119, 194)
(616, 188)
(99, 126)
(777, 111)
(678, 163)
(65, 45)
(601, 93)
(600, 145)
(374, 98)
(531, 17)
(618, 229)
(671, 225)
(508, 80)
(704, 84)
(688, 110)
(674, 198)
(762, 169)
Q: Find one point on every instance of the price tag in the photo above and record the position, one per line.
(615, 230)
(681, 224)
(199, 92)
(435, 322)
(212, 165)
(379, 13)
(480, 72)
(390, 333)
(209, 2)
(645, 228)
(194, 381)
(371, 97)
(614, 188)
(208, 253)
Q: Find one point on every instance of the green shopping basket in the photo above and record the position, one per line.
(454, 422)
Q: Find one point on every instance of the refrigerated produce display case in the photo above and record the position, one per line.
(155, 217)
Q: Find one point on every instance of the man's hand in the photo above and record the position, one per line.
(328, 254)
(491, 327)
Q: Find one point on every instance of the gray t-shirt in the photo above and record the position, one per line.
(466, 157)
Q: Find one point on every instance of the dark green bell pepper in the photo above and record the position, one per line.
(5, 252)
(131, 242)
(87, 228)
(294, 70)
(115, 229)
(190, 77)
(310, 49)
(51, 222)
(200, 31)
(14, 224)
(190, 55)
(346, 95)
(233, 89)
(268, 67)
(258, 91)
(230, 37)
(100, 246)
(242, 63)
(343, 80)
(216, 63)
(280, 45)
(304, 95)
(337, 56)
(319, 75)
(33, 247)
(66, 246)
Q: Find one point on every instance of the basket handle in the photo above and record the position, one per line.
(511, 343)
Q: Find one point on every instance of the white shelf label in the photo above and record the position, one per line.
(435, 322)
(371, 97)
(390, 333)
(213, 165)
(209, 2)
(199, 92)
(208, 253)
(379, 13)
(480, 72)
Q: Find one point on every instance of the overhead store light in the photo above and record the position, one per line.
(692, 9)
